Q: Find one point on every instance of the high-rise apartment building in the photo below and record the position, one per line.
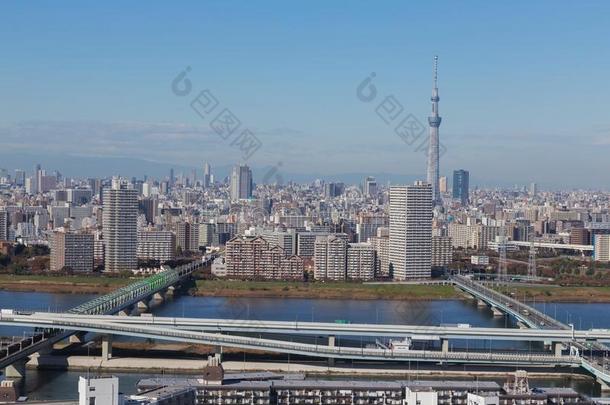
(71, 250)
(120, 227)
(460, 185)
(3, 224)
(149, 207)
(360, 262)
(187, 236)
(367, 225)
(442, 251)
(306, 243)
(601, 244)
(241, 183)
(476, 236)
(330, 258)
(206, 234)
(287, 240)
(156, 245)
(411, 231)
(381, 245)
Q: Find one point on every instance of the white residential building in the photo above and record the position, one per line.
(120, 227)
(411, 231)
(360, 261)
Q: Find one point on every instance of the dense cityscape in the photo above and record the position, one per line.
(222, 277)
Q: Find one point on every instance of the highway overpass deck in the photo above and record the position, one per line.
(214, 325)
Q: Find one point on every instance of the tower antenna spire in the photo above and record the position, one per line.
(435, 69)
(434, 121)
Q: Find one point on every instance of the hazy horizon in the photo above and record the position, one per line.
(521, 94)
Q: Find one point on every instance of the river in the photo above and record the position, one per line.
(58, 385)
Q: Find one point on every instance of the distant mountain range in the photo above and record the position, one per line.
(84, 166)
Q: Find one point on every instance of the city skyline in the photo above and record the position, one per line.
(302, 106)
(257, 195)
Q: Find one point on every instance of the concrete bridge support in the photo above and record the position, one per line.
(158, 296)
(605, 388)
(125, 311)
(557, 348)
(106, 347)
(218, 353)
(481, 304)
(16, 370)
(496, 312)
(143, 305)
(331, 343)
(170, 291)
(445, 345)
(78, 337)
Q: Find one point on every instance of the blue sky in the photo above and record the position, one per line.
(524, 85)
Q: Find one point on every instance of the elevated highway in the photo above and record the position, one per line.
(112, 303)
(57, 321)
(535, 319)
(214, 325)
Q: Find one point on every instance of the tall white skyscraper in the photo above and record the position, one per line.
(207, 172)
(241, 183)
(120, 225)
(411, 231)
(434, 120)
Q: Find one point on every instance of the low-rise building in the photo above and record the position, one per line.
(479, 260)
(255, 258)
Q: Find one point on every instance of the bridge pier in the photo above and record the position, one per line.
(521, 325)
(78, 337)
(445, 345)
(217, 353)
(106, 347)
(143, 305)
(481, 303)
(17, 369)
(331, 343)
(124, 312)
(605, 388)
(170, 290)
(496, 312)
(158, 296)
(557, 348)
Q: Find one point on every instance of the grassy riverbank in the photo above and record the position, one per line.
(290, 289)
(560, 294)
(61, 284)
(286, 289)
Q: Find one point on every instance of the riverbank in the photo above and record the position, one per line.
(292, 289)
(61, 284)
(560, 294)
(333, 290)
